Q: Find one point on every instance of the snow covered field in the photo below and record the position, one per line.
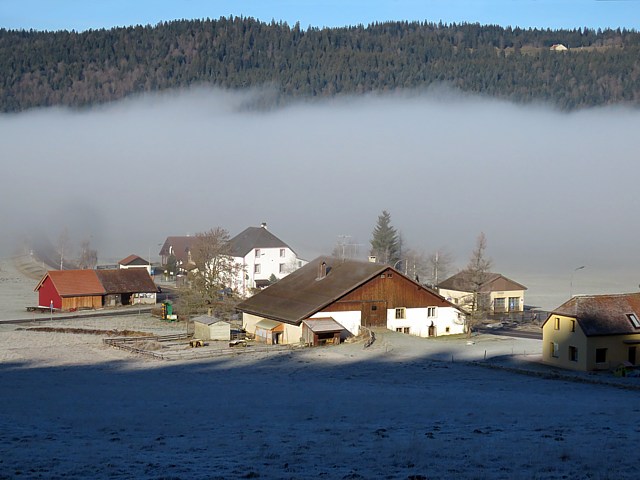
(74, 408)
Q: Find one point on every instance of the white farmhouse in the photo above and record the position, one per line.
(261, 256)
(332, 296)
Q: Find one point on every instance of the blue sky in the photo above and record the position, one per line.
(84, 14)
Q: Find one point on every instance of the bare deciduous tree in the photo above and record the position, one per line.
(64, 246)
(211, 279)
(478, 269)
(440, 265)
(88, 256)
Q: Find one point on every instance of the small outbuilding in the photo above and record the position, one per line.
(322, 331)
(207, 327)
(80, 289)
(269, 332)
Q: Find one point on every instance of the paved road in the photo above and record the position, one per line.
(512, 332)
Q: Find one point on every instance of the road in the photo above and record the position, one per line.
(512, 332)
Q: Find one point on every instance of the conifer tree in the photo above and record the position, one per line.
(385, 241)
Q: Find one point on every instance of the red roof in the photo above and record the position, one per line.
(79, 283)
(74, 283)
(133, 260)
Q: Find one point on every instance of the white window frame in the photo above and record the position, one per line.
(256, 268)
(634, 320)
(432, 312)
(283, 253)
(401, 313)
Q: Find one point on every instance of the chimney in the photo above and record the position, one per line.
(322, 271)
(209, 311)
(263, 225)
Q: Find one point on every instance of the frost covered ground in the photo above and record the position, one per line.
(74, 408)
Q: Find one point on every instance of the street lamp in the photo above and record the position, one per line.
(571, 282)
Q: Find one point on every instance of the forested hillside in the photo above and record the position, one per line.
(78, 69)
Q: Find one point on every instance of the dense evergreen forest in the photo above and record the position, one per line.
(83, 68)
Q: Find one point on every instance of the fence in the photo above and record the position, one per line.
(133, 344)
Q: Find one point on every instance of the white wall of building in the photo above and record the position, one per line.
(418, 320)
(349, 320)
(279, 262)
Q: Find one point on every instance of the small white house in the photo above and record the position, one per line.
(211, 328)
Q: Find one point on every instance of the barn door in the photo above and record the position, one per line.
(374, 314)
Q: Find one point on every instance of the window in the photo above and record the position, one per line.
(431, 311)
(374, 308)
(573, 353)
(281, 268)
(634, 319)
(498, 304)
(447, 329)
(282, 253)
(256, 268)
(399, 329)
(257, 252)
(514, 304)
(401, 313)
(632, 355)
(556, 326)
(554, 349)
(601, 355)
(406, 330)
(389, 275)
(573, 325)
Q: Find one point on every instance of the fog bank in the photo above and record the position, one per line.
(552, 191)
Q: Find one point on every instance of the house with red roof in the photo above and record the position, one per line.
(70, 290)
(134, 261)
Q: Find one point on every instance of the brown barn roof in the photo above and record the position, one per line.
(132, 280)
(602, 314)
(301, 293)
(74, 283)
(133, 260)
(494, 282)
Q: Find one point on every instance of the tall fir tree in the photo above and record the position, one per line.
(385, 241)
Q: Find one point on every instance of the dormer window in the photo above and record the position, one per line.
(634, 319)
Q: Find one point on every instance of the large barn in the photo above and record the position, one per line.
(90, 289)
(331, 296)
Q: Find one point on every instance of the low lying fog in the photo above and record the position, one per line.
(552, 191)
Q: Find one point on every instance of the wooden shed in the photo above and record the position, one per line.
(322, 331)
(89, 289)
(70, 290)
(211, 328)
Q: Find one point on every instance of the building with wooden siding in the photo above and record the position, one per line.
(593, 332)
(91, 289)
(352, 294)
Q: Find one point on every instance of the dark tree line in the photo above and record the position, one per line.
(78, 69)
